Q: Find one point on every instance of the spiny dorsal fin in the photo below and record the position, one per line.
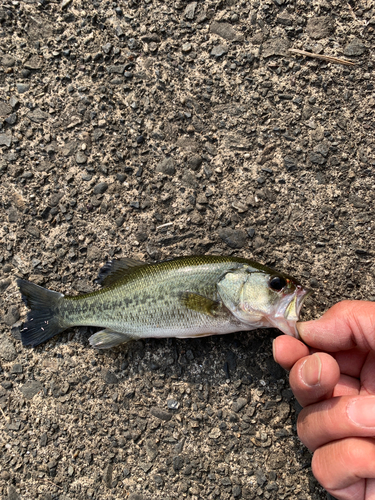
(116, 269)
(200, 303)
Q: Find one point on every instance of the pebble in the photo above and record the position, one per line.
(160, 414)
(5, 140)
(109, 377)
(354, 48)
(16, 368)
(219, 50)
(12, 316)
(100, 188)
(234, 238)
(172, 404)
(31, 388)
(81, 158)
(22, 87)
(186, 47)
(12, 493)
(8, 61)
(319, 27)
(239, 404)
(190, 10)
(215, 433)
(166, 166)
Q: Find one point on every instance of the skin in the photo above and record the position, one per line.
(333, 378)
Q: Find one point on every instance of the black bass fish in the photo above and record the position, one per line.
(183, 297)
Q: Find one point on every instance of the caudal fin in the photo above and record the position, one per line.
(43, 321)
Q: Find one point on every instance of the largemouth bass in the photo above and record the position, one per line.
(184, 297)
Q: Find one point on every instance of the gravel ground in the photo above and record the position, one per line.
(155, 129)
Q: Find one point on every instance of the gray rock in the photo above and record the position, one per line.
(11, 119)
(116, 68)
(234, 238)
(5, 140)
(16, 368)
(355, 48)
(178, 463)
(166, 166)
(277, 459)
(319, 27)
(190, 10)
(226, 31)
(34, 63)
(43, 439)
(22, 87)
(151, 449)
(239, 404)
(8, 61)
(107, 476)
(12, 493)
(135, 496)
(4, 284)
(100, 188)
(31, 388)
(317, 158)
(219, 50)
(34, 231)
(11, 316)
(5, 109)
(7, 350)
(161, 414)
(109, 377)
(38, 116)
(81, 158)
(186, 47)
(194, 162)
(275, 47)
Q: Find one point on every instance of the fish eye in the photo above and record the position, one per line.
(277, 283)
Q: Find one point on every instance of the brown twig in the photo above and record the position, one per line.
(331, 59)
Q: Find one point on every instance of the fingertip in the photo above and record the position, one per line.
(288, 350)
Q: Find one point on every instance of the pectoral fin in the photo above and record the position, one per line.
(200, 303)
(105, 339)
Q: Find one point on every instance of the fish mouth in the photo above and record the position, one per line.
(288, 311)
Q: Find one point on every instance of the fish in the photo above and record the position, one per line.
(184, 297)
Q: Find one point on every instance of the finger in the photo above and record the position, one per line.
(336, 418)
(351, 361)
(348, 324)
(346, 386)
(367, 374)
(287, 350)
(314, 377)
(342, 467)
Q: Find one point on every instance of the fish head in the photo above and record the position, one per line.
(263, 298)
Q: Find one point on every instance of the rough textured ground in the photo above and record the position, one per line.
(154, 129)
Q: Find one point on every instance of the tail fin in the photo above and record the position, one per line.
(43, 320)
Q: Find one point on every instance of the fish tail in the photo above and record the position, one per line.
(44, 320)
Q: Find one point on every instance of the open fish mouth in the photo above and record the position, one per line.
(288, 311)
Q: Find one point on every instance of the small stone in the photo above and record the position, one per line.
(7, 350)
(100, 188)
(239, 404)
(215, 433)
(178, 463)
(8, 61)
(190, 10)
(354, 48)
(319, 27)
(161, 414)
(4, 475)
(317, 158)
(38, 116)
(194, 162)
(81, 158)
(234, 238)
(43, 439)
(22, 87)
(226, 31)
(151, 449)
(275, 47)
(34, 63)
(34, 231)
(251, 232)
(109, 377)
(173, 404)
(107, 476)
(5, 140)
(16, 368)
(5, 109)
(119, 221)
(31, 388)
(107, 48)
(11, 119)
(219, 50)
(166, 166)
(186, 47)
(12, 493)
(12, 316)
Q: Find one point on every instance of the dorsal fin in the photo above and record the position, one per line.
(113, 270)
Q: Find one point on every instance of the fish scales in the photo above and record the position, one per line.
(149, 299)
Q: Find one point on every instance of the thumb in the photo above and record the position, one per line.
(348, 324)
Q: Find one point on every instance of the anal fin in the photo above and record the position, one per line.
(200, 303)
(105, 339)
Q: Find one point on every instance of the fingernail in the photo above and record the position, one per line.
(311, 370)
(361, 411)
(274, 350)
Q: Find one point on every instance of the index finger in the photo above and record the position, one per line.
(348, 324)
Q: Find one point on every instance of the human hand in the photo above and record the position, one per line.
(337, 390)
